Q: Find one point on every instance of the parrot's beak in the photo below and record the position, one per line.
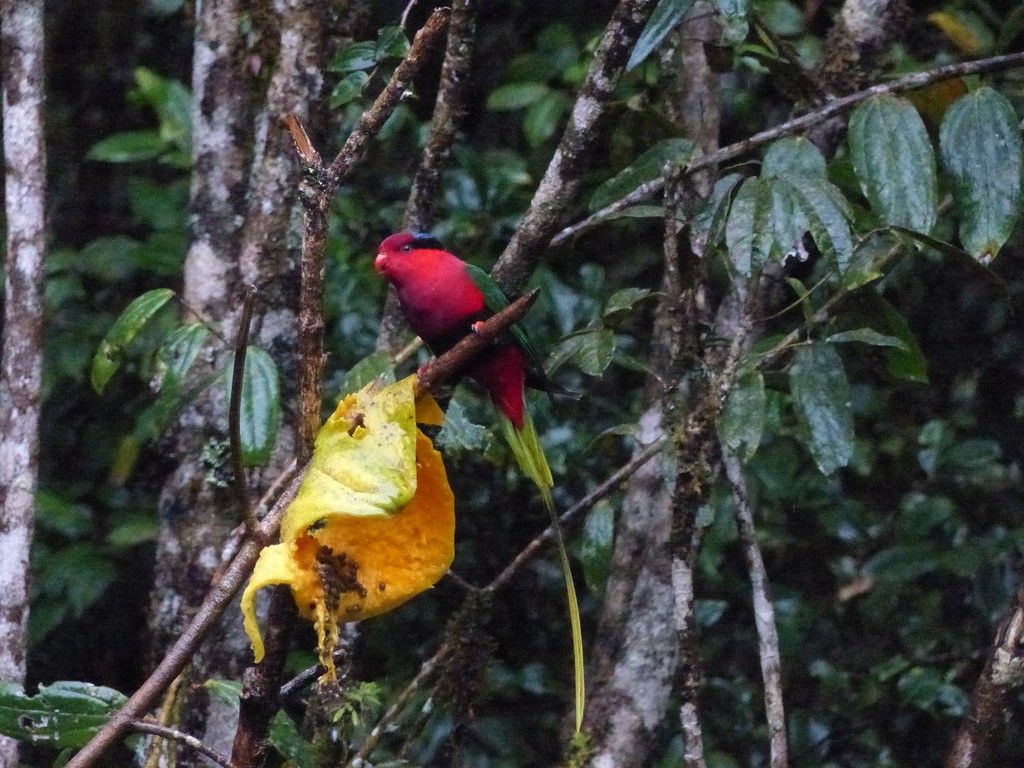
(380, 261)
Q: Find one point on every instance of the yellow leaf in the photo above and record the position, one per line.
(373, 523)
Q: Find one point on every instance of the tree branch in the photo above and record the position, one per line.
(190, 741)
(796, 125)
(764, 614)
(994, 693)
(21, 358)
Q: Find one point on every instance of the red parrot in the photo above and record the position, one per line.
(442, 297)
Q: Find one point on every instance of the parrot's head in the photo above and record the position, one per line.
(405, 253)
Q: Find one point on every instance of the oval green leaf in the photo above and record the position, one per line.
(128, 147)
(260, 406)
(981, 149)
(827, 214)
(65, 714)
(748, 232)
(110, 354)
(894, 162)
(796, 155)
(821, 395)
(516, 96)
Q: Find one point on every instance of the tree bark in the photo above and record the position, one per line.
(244, 231)
(21, 27)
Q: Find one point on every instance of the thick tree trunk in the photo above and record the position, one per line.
(244, 232)
(21, 57)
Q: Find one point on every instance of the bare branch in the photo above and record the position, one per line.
(796, 125)
(241, 484)
(190, 741)
(373, 119)
(764, 614)
(24, 151)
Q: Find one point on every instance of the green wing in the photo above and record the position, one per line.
(495, 301)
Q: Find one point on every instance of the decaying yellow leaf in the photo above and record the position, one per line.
(373, 523)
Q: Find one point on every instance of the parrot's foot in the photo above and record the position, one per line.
(477, 326)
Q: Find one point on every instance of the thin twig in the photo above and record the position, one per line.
(764, 613)
(373, 119)
(570, 516)
(796, 125)
(241, 484)
(190, 741)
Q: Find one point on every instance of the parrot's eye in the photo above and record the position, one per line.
(406, 248)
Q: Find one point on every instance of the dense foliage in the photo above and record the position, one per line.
(878, 411)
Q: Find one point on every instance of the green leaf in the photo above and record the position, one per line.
(821, 394)
(714, 211)
(591, 351)
(349, 89)
(391, 43)
(622, 302)
(79, 573)
(355, 57)
(111, 350)
(894, 162)
(789, 220)
(663, 20)
(867, 336)
(981, 149)
(459, 434)
(373, 366)
(227, 692)
(516, 96)
(128, 147)
(260, 406)
(906, 362)
(65, 714)
(794, 155)
(743, 414)
(827, 214)
(594, 547)
(284, 736)
(734, 19)
(543, 117)
(133, 530)
(748, 233)
(649, 166)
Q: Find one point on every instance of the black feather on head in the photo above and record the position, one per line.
(424, 240)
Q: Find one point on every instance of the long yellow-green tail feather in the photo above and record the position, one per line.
(531, 460)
